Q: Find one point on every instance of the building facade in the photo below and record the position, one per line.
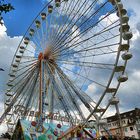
(130, 122)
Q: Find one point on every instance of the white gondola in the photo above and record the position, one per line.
(9, 94)
(17, 60)
(111, 90)
(125, 28)
(18, 56)
(122, 78)
(8, 100)
(26, 40)
(57, 3)
(125, 19)
(120, 5)
(21, 51)
(50, 8)
(113, 1)
(22, 47)
(114, 101)
(9, 84)
(127, 56)
(127, 35)
(14, 70)
(43, 16)
(7, 103)
(37, 23)
(124, 47)
(12, 75)
(8, 90)
(10, 80)
(14, 65)
(122, 11)
(31, 32)
(119, 68)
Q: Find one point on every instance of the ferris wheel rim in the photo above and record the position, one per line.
(113, 71)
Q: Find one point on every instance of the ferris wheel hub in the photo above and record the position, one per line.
(47, 55)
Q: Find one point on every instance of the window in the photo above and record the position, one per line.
(131, 128)
(123, 121)
(109, 125)
(126, 129)
(124, 116)
(131, 114)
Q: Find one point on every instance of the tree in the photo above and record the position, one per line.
(4, 8)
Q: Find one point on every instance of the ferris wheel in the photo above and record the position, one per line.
(71, 62)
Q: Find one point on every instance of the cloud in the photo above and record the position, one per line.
(8, 47)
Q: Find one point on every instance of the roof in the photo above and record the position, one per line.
(50, 130)
(132, 114)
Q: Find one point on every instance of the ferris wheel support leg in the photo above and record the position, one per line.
(51, 102)
(120, 121)
(41, 98)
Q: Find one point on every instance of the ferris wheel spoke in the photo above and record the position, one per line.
(37, 41)
(17, 82)
(84, 77)
(26, 66)
(90, 65)
(24, 94)
(24, 72)
(25, 85)
(60, 96)
(91, 26)
(90, 47)
(62, 19)
(20, 80)
(13, 100)
(29, 57)
(69, 11)
(106, 29)
(71, 96)
(34, 103)
(58, 13)
(30, 50)
(82, 14)
(66, 102)
(23, 98)
(40, 39)
(23, 62)
(63, 29)
(31, 93)
(93, 55)
(75, 90)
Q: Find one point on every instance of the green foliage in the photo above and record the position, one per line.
(4, 8)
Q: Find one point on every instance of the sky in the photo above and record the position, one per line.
(17, 21)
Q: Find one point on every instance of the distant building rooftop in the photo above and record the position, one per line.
(133, 114)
